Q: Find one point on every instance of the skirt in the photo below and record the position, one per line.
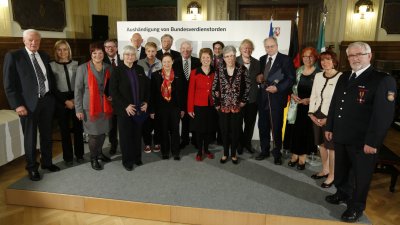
(319, 132)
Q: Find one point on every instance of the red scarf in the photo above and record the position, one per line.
(94, 98)
(166, 85)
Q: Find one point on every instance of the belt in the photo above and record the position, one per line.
(43, 96)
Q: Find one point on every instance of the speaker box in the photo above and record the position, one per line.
(99, 28)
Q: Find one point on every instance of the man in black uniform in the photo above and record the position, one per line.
(360, 114)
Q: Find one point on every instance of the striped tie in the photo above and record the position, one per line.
(186, 69)
(40, 76)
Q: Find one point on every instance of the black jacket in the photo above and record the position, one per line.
(121, 90)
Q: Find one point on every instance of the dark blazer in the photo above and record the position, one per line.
(175, 55)
(121, 90)
(107, 60)
(283, 70)
(362, 120)
(142, 53)
(157, 101)
(254, 70)
(19, 78)
(178, 69)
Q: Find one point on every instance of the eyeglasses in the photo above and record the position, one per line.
(308, 57)
(229, 56)
(109, 46)
(269, 46)
(358, 55)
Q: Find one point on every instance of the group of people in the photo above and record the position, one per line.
(344, 115)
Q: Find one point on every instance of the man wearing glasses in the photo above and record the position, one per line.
(276, 78)
(360, 114)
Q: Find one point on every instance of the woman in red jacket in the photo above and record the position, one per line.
(200, 103)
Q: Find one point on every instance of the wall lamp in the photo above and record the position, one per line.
(194, 8)
(363, 7)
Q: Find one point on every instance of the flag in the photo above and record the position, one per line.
(294, 47)
(271, 29)
(321, 37)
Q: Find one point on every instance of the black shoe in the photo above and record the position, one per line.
(292, 164)
(80, 160)
(335, 199)
(177, 158)
(104, 158)
(34, 175)
(262, 156)
(139, 163)
(317, 177)
(235, 161)
(222, 160)
(165, 157)
(113, 149)
(68, 163)
(301, 166)
(325, 185)
(128, 167)
(51, 168)
(278, 161)
(96, 164)
(351, 215)
(250, 149)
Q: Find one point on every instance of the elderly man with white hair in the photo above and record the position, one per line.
(29, 86)
(183, 66)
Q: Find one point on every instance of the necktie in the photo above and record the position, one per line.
(267, 68)
(40, 76)
(352, 77)
(113, 63)
(186, 69)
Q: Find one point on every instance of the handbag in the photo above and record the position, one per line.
(292, 112)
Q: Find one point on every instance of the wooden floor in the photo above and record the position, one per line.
(383, 207)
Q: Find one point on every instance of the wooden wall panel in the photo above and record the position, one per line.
(79, 47)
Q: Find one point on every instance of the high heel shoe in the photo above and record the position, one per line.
(235, 161)
(325, 185)
(293, 164)
(317, 177)
(199, 157)
(222, 160)
(301, 166)
(209, 155)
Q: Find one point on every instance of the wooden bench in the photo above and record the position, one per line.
(387, 162)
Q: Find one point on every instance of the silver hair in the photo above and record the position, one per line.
(28, 31)
(188, 43)
(359, 44)
(271, 38)
(229, 48)
(129, 49)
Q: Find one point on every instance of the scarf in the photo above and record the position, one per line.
(95, 107)
(166, 85)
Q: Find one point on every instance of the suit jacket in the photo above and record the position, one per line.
(178, 69)
(156, 99)
(107, 60)
(175, 55)
(362, 110)
(142, 53)
(19, 78)
(283, 70)
(254, 70)
(121, 89)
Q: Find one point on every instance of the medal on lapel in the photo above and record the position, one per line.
(361, 94)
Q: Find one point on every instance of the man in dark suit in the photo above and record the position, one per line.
(112, 58)
(276, 79)
(360, 113)
(166, 43)
(183, 66)
(29, 85)
(137, 41)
